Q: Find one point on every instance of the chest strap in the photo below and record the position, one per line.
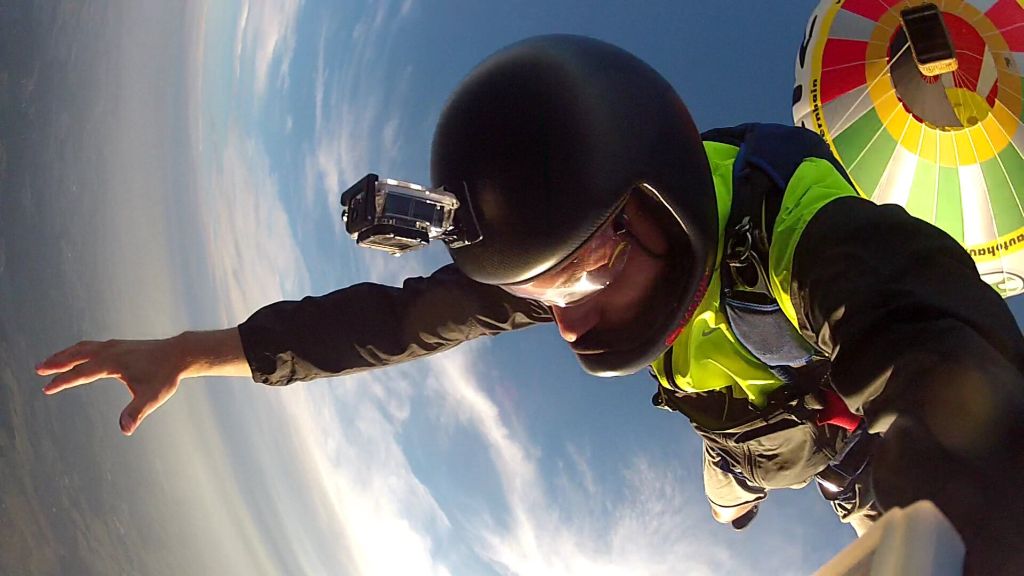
(751, 307)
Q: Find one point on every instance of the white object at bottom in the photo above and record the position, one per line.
(916, 540)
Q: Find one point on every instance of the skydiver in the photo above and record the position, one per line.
(806, 333)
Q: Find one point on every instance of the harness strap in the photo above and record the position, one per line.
(842, 472)
(753, 310)
(746, 242)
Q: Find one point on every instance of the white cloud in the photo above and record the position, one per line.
(252, 250)
(358, 119)
(552, 528)
(388, 520)
(265, 35)
(319, 80)
(195, 53)
(243, 20)
(353, 503)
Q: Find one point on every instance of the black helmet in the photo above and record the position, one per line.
(549, 136)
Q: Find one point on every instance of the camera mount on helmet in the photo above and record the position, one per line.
(399, 217)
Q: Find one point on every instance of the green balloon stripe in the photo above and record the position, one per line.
(855, 138)
(923, 191)
(1006, 207)
(872, 165)
(1014, 164)
(949, 213)
(856, 142)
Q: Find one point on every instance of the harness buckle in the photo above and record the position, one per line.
(745, 267)
(738, 254)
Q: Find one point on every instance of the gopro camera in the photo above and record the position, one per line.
(398, 217)
(929, 40)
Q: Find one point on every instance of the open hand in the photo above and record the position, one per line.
(151, 369)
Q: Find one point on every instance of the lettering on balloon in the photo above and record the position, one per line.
(819, 123)
(994, 249)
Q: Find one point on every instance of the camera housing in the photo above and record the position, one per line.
(398, 217)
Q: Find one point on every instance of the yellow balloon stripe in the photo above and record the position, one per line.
(995, 249)
(890, 108)
(929, 145)
(995, 138)
(1001, 119)
(966, 151)
(913, 136)
(948, 152)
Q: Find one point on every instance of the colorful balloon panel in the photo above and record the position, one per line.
(949, 148)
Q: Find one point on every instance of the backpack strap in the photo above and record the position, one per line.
(768, 156)
(747, 238)
(777, 149)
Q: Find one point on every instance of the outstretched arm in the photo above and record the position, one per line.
(369, 325)
(352, 329)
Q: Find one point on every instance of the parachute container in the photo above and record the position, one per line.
(948, 146)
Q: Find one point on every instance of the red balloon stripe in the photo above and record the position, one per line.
(970, 51)
(842, 67)
(1008, 17)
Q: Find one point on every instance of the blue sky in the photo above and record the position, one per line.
(226, 141)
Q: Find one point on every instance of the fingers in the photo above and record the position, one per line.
(68, 358)
(81, 374)
(136, 411)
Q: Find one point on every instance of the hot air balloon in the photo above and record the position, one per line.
(921, 103)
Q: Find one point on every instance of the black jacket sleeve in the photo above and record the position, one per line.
(369, 325)
(932, 357)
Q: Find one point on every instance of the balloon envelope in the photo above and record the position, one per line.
(948, 147)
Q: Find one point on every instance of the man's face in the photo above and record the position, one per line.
(597, 323)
